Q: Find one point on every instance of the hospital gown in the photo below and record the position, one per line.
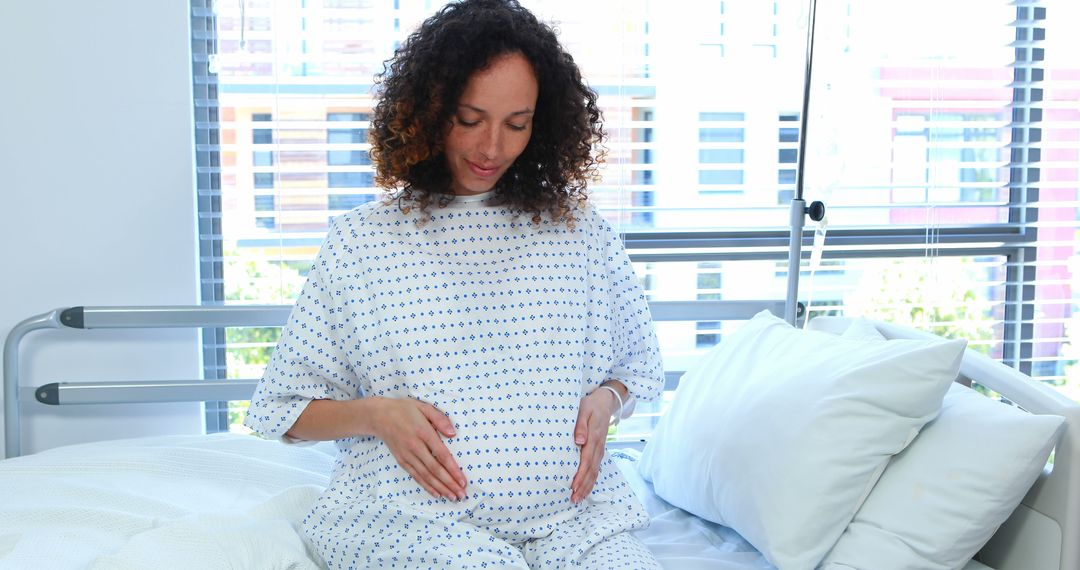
(503, 325)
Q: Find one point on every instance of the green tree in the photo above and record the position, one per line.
(936, 295)
(249, 348)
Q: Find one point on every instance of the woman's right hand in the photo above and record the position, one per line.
(411, 430)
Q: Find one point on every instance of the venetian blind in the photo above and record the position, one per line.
(933, 156)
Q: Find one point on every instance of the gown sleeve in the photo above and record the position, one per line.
(310, 361)
(636, 358)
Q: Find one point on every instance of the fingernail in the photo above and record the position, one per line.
(452, 432)
(579, 439)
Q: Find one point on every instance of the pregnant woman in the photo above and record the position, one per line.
(467, 341)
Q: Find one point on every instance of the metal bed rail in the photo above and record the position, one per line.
(198, 390)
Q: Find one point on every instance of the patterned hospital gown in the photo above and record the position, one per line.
(501, 324)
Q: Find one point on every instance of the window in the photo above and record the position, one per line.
(948, 165)
(262, 158)
(262, 136)
(720, 177)
(350, 139)
(264, 180)
(707, 334)
(721, 156)
(714, 181)
(350, 179)
(347, 201)
(264, 203)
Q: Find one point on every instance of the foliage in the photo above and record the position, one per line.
(937, 295)
(249, 348)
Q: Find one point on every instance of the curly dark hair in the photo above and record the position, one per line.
(419, 89)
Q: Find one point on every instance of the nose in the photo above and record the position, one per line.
(491, 143)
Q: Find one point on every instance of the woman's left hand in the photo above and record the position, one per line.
(594, 417)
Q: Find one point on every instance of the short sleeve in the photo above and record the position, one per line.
(309, 362)
(636, 358)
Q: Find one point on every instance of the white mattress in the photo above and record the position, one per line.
(234, 501)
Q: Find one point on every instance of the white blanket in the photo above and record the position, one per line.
(176, 502)
(229, 501)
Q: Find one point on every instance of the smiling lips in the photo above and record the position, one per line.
(481, 171)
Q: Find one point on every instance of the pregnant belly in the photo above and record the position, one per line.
(518, 488)
(508, 444)
(518, 453)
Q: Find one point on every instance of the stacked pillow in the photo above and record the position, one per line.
(941, 499)
(782, 434)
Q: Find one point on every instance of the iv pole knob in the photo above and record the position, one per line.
(816, 210)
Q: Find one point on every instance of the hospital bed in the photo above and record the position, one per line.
(237, 500)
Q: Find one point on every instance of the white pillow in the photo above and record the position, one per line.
(942, 498)
(862, 329)
(780, 433)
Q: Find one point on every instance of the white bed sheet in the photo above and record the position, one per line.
(682, 541)
(231, 501)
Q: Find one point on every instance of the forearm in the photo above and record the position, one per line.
(325, 420)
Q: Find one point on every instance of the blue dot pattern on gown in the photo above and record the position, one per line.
(503, 325)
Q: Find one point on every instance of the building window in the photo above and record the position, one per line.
(262, 136)
(264, 203)
(264, 180)
(262, 158)
(350, 180)
(720, 177)
(721, 156)
(347, 201)
(708, 334)
(352, 135)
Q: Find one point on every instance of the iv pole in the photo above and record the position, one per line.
(798, 210)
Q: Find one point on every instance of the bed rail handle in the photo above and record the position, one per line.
(128, 392)
(277, 315)
(183, 316)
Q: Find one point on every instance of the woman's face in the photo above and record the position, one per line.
(492, 124)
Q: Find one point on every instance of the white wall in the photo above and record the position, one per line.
(97, 200)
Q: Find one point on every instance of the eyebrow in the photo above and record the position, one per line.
(525, 111)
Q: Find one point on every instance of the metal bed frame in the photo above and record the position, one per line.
(197, 390)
